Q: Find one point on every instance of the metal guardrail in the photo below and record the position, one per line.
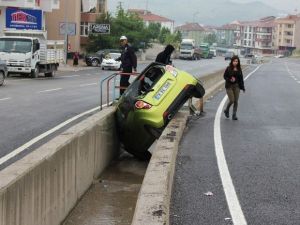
(108, 80)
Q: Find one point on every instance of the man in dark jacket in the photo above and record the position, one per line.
(164, 57)
(128, 63)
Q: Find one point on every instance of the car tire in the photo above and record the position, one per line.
(95, 62)
(2, 78)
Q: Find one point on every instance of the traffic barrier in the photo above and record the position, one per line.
(44, 186)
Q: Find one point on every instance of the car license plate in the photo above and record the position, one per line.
(162, 90)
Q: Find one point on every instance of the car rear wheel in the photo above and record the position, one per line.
(95, 62)
(2, 77)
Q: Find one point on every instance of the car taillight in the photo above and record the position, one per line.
(142, 105)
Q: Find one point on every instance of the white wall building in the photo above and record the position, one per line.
(148, 17)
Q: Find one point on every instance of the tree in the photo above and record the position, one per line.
(163, 34)
(154, 30)
(123, 23)
(210, 38)
(173, 39)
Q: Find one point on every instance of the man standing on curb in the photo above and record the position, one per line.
(128, 63)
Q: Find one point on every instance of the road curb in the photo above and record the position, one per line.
(153, 202)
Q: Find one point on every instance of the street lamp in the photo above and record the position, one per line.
(194, 15)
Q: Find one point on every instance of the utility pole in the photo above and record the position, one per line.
(66, 30)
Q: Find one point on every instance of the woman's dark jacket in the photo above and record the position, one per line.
(164, 57)
(229, 73)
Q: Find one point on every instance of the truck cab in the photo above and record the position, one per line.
(188, 50)
(21, 54)
(31, 55)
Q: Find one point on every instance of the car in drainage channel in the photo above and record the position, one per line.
(150, 103)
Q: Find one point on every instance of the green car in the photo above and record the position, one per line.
(150, 102)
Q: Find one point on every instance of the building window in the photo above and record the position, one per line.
(85, 28)
(290, 25)
(288, 41)
(289, 33)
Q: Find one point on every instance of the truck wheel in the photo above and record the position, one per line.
(49, 74)
(95, 62)
(2, 77)
(35, 72)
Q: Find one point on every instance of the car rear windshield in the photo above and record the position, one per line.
(147, 79)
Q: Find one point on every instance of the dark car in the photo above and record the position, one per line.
(96, 59)
(3, 72)
(150, 102)
(249, 56)
(228, 55)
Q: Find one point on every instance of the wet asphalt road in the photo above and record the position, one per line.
(30, 107)
(261, 149)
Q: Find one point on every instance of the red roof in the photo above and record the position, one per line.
(190, 27)
(290, 17)
(148, 16)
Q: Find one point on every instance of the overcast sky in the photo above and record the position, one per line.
(211, 12)
(288, 5)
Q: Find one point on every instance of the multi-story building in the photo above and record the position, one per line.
(148, 17)
(286, 34)
(226, 35)
(255, 36)
(78, 15)
(192, 31)
(16, 15)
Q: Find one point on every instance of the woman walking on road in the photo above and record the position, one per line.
(234, 82)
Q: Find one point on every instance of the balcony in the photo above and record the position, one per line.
(89, 17)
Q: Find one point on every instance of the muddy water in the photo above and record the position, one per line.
(111, 200)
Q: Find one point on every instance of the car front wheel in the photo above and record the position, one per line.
(95, 62)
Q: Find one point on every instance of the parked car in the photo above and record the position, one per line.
(228, 55)
(96, 59)
(110, 61)
(150, 102)
(249, 56)
(3, 72)
(279, 56)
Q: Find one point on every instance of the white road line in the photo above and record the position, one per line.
(85, 85)
(4, 99)
(72, 76)
(40, 137)
(236, 212)
(50, 90)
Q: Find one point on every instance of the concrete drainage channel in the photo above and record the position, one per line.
(44, 186)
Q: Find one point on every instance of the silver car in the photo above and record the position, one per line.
(3, 72)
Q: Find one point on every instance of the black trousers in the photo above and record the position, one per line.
(124, 81)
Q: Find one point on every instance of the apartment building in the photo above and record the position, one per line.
(149, 17)
(226, 35)
(255, 36)
(192, 31)
(75, 16)
(286, 32)
(16, 15)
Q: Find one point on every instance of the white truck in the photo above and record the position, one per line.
(188, 50)
(31, 55)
